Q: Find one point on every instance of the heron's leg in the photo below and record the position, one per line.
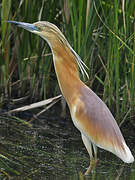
(95, 151)
(88, 146)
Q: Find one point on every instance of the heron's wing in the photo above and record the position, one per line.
(93, 118)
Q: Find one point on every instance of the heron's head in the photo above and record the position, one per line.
(54, 37)
(46, 30)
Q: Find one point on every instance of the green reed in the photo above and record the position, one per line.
(101, 32)
(107, 47)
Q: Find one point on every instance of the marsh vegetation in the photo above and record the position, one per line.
(103, 34)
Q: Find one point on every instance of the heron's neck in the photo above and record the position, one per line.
(67, 72)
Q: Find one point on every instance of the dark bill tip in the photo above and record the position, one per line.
(27, 26)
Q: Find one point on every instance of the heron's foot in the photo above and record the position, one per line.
(93, 163)
(88, 171)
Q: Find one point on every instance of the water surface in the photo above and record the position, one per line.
(51, 148)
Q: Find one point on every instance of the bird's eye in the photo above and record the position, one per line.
(39, 28)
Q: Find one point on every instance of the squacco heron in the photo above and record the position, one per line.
(89, 113)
